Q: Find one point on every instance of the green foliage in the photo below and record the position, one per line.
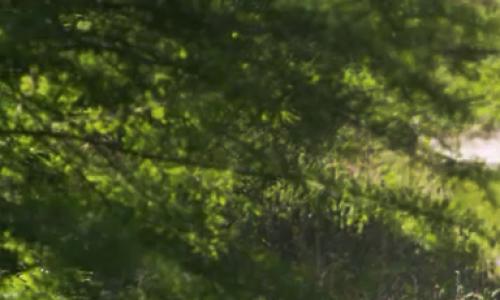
(244, 149)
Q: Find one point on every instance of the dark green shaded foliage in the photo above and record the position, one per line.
(240, 149)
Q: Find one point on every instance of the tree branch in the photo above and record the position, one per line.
(100, 141)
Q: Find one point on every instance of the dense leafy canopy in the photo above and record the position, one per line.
(204, 149)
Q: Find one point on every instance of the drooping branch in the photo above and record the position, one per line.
(114, 146)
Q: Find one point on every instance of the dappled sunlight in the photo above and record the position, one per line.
(248, 149)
